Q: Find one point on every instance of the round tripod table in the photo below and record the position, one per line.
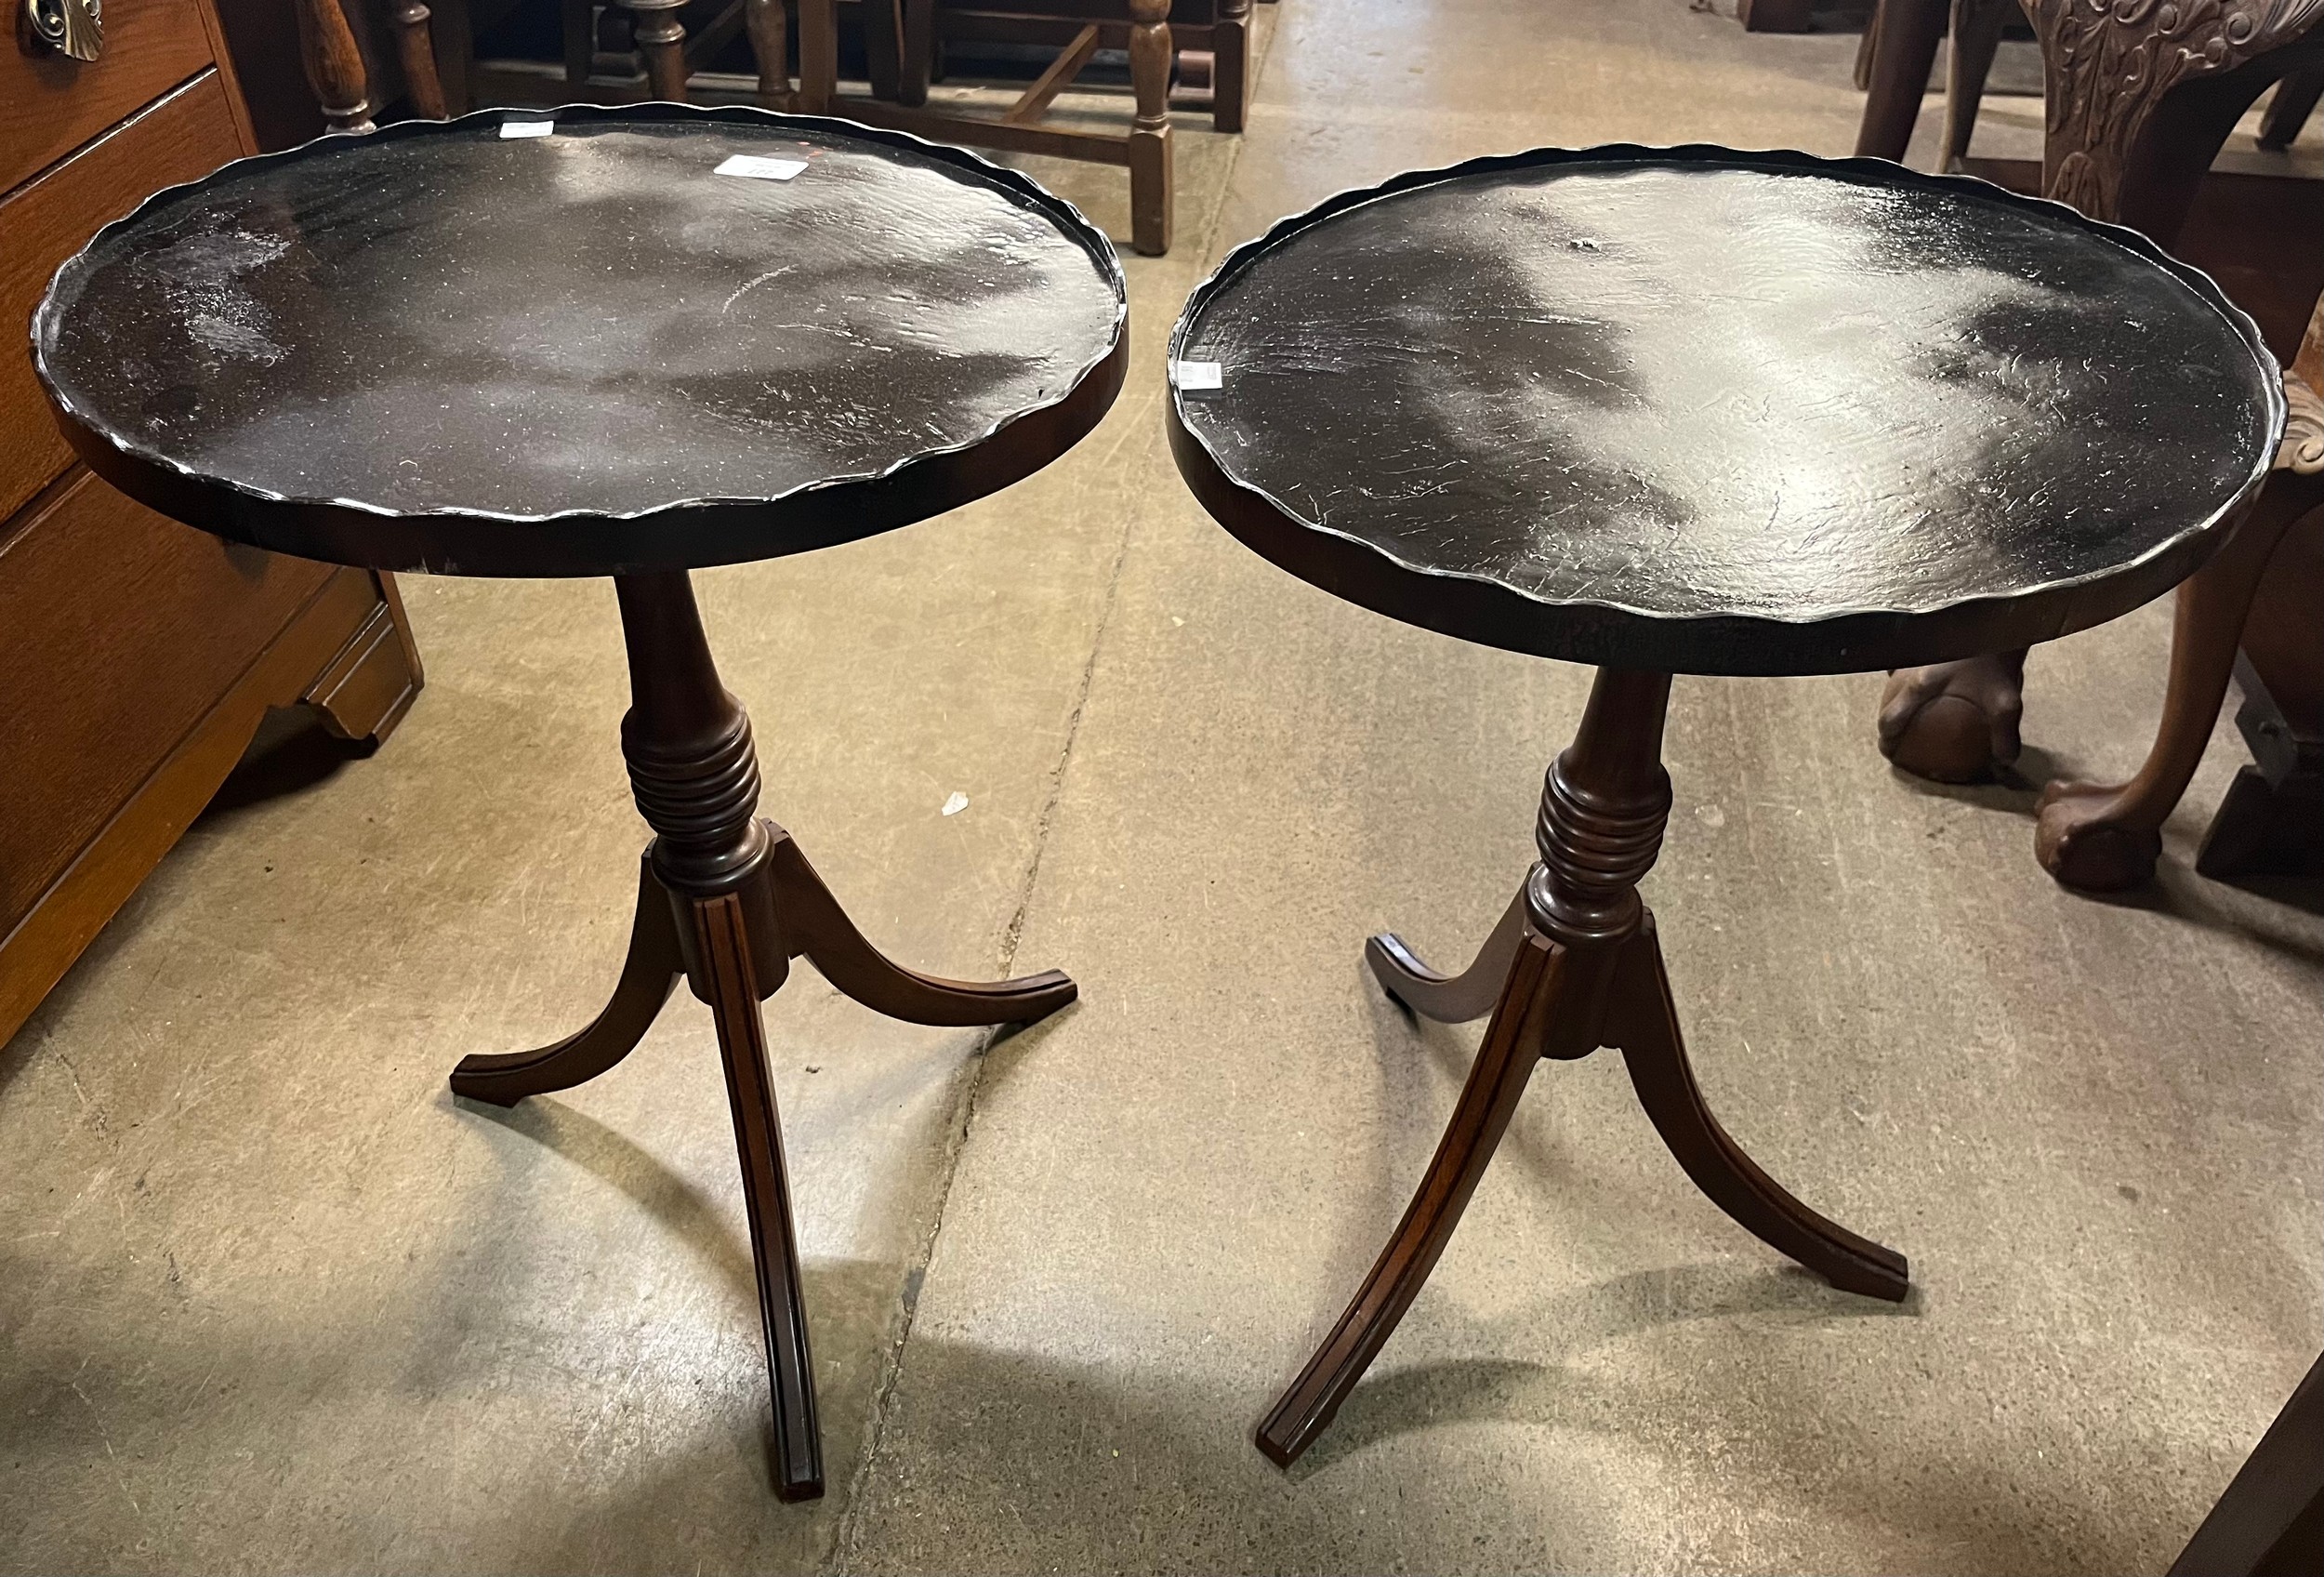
(1693, 411)
(623, 342)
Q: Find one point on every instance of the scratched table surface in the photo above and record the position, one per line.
(597, 316)
(1738, 392)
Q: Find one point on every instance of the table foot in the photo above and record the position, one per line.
(648, 975)
(726, 978)
(1954, 722)
(1643, 1023)
(1449, 998)
(815, 926)
(1512, 1048)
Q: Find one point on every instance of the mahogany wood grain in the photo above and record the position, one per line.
(367, 688)
(187, 134)
(49, 105)
(1512, 1050)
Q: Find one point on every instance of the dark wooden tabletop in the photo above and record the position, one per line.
(1700, 411)
(605, 348)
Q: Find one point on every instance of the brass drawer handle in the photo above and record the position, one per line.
(71, 27)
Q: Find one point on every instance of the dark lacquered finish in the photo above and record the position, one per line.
(1689, 410)
(440, 348)
(588, 353)
(1707, 412)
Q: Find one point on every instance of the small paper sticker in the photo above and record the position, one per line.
(527, 128)
(1192, 377)
(954, 803)
(758, 168)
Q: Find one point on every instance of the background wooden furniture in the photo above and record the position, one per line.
(137, 657)
(756, 442)
(1494, 402)
(2139, 100)
(902, 41)
(1209, 37)
(1145, 149)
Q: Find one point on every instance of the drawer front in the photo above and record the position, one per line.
(119, 629)
(188, 134)
(50, 104)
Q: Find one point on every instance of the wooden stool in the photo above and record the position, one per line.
(613, 350)
(1693, 411)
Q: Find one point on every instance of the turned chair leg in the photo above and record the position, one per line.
(1449, 998)
(768, 23)
(1513, 1045)
(2105, 838)
(1151, 195)
(661, 41)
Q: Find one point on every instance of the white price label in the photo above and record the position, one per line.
(1193, 377)
(757, 168)
(527, 128)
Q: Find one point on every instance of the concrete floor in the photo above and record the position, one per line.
(273, 1301)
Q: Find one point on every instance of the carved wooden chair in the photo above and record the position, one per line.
(1895, 76)
(2140, 99)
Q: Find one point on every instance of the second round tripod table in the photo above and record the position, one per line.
(1693, 411)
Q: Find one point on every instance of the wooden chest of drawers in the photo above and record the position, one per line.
(137, 656)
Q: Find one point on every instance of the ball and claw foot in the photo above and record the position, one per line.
(2082, 839)
(1954, 722)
